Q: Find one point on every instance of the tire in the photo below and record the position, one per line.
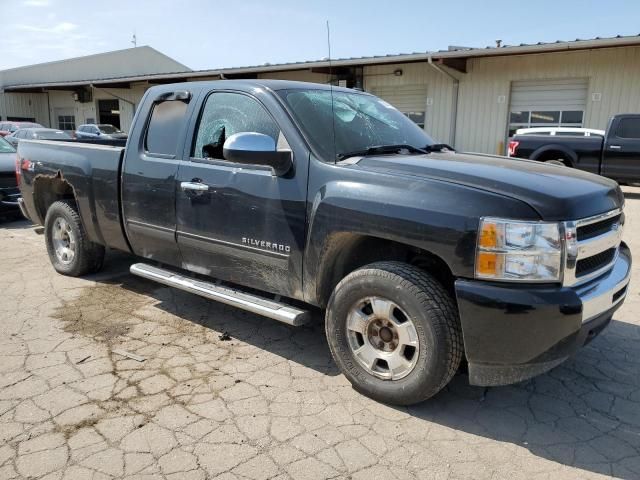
(415, 297)
(62, 226)
(560, 163)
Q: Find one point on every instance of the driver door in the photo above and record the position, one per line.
(239, 222)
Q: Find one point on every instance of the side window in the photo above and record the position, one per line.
(225, 114)
(164, 127)
(629, 128)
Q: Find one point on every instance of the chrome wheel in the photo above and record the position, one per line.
(64, 241)
(383, 338)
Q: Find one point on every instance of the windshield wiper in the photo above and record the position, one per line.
(439, 147)
(381, 149)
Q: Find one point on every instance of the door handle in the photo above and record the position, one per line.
(197, 187)
(615, 147)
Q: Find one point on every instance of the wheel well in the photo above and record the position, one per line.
(346, 252)
(555, 155)
(47, 190)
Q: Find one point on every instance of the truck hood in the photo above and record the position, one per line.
(7, 162)
(555, 192)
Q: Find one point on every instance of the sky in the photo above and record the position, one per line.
(211, 34)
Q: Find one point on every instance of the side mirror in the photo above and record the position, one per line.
(257, 149)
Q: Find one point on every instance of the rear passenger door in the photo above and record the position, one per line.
(621, 158)
(149, 176)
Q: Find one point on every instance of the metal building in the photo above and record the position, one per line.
(472, 98)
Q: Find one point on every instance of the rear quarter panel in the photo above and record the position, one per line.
(92, 171)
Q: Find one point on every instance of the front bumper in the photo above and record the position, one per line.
(513, 332)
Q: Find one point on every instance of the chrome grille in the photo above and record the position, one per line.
(595, 262)
(592, 246)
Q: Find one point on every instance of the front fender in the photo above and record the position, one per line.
(431, 215)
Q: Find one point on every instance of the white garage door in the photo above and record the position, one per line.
(409, 99)
(548, 103)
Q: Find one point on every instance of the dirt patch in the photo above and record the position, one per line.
(105, 312)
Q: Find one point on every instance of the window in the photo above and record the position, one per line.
(225, 114)
(544, 118)
(164, 127)
(66, 122)
(416, 117)
(359, 121)
(629, 128)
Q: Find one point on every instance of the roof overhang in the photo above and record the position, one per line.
(455, 59)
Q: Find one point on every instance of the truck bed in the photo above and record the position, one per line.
(92, 172)
(583, 152)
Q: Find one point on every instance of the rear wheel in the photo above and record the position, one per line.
(394, 332)
(70, 251)
(556, 162)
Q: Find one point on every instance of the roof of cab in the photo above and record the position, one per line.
(252, 84)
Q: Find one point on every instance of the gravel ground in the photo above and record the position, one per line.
(265, 400)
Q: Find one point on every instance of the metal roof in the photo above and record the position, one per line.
(456, 52)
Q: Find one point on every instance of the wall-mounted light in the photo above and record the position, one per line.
(75, 96)
(398, 72)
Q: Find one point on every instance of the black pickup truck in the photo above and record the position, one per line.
(616, 155)
(278, 197)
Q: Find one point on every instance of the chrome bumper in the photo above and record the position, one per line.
(608, 291)
(23, 209)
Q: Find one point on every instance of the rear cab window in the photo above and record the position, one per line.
(164, 128)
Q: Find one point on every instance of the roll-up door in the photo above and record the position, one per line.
(409, 99)
(548, 103)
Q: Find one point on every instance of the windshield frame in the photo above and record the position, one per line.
(281, 94)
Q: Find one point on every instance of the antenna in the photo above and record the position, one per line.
(134, 40)
(333, 116)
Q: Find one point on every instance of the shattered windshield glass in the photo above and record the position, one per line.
(362, 121)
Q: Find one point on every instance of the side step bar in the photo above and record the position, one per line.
(246, 301)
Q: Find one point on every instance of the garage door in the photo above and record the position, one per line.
(548, 103)
(409, 99)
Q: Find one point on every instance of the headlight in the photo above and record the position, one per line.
(518, 251)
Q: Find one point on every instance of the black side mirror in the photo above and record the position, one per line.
(257, 149)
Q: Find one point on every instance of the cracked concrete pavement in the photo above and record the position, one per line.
(269, 402)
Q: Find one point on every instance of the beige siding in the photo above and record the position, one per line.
(85, 111)
(31, 105)
(439, 89)
(484, 91)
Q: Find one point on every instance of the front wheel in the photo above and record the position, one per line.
(394, 332)
(70, 251)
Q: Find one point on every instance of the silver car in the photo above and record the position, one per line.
(36, 134)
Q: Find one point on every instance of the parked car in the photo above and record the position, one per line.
(7, 128)
(565, 131)
(36, 134)
(102, 130)
(9, 192)
(616, 154)
(256, 194)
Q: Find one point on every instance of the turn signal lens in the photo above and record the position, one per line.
(487, 264)
(488, 235)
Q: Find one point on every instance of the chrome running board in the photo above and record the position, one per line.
(236, 298)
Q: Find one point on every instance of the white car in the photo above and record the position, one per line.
(566, 131)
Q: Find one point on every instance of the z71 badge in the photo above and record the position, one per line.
(270, 246)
